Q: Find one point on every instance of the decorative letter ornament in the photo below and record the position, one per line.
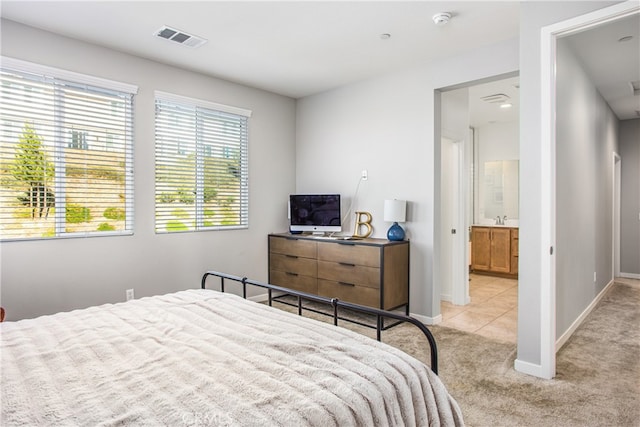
(363, 223)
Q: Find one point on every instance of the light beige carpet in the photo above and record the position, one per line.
(598, 370)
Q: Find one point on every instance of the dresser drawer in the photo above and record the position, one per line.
(371, 272)
(292, 246)
(350, 253)
(293, 264)
(294, 281)
(350, 293)
(349, 273)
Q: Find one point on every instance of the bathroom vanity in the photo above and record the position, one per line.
(494, 250)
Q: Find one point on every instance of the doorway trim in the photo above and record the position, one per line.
(549, 36)
(617, 179)
(460, 284)
(461, 256)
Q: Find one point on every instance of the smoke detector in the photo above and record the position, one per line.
(441, 18)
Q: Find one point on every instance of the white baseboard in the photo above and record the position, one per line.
(259, 298)
(530, 369)
(426, 319)
(630, 275)
(563, 339)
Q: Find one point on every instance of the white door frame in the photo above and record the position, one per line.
(460, 276)
(452, 276)
(617, 169)
(549, 36)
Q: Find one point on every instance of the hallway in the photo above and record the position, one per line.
(493, 311)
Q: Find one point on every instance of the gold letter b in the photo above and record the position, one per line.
(360, 223)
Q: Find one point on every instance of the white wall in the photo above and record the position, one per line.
(586, 138)
(41, 277)
(534, 249)
(386, 125)
(496, 141)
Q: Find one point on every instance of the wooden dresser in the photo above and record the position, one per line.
(371, 272)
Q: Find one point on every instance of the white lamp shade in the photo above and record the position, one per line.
(395, 210)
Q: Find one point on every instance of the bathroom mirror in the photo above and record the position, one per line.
(499, 187)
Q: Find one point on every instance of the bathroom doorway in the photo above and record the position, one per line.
(478, 183)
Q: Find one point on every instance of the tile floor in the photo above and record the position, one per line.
(493, 311)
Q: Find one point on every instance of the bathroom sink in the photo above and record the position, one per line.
(492, 222)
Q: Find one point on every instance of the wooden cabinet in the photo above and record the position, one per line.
(371, 272)
(514, 250)
(494, 250)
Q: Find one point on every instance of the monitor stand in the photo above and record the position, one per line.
(318, 233)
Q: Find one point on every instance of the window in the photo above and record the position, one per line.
(201, 165)
(78, 140)
(66, 157)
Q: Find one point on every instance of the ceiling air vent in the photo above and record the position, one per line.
(635, 87)
(496, 98)
(180, 37)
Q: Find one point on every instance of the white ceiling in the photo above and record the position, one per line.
(482, 112)
(299, 48)
(295, 48)
(612, 64)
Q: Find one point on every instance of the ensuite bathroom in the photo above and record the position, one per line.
(480, 178)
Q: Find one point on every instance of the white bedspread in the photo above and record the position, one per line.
(202, 358)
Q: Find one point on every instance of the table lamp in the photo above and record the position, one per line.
(395, 211)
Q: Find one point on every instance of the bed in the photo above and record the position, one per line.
(203, 357)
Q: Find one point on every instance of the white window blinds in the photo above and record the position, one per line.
(66, 154)
(201, 165)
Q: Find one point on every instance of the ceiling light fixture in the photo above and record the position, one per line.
(441, 18)
(385, 36)
(625, 38)
(507, 105)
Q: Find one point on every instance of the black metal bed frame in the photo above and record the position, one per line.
(334, 303)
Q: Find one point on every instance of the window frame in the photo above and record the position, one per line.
(63, 140)
(202, 150)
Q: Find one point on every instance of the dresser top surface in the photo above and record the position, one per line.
(341, 239)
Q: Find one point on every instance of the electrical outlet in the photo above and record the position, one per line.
(129, 294)
(365, 175)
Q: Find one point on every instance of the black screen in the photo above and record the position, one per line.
(315, 209)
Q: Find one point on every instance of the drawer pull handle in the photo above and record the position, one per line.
(291, 274)
(346, 284)
(292, 256)
(347, 264)
(347, 243)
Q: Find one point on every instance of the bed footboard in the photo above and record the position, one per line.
(334, 303)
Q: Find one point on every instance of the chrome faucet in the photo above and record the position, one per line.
(501, 221)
